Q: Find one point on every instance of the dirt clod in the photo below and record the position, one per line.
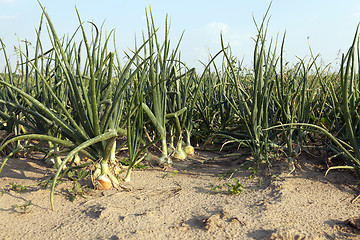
(214, 222)
(354, 223)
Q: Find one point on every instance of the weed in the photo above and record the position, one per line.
(78, 175)
(215, 188)
(220, 176)
(126, 162)
(260, 181)
(172, 174)
(77, 189)
(4, 190)
(236, 188)
(233, 189)
(254, 171)
(17, 187)
(24, 207)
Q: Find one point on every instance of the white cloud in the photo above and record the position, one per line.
(205, 41)
(7, 17)
(217, 27)
(237, 39)
(230, 35)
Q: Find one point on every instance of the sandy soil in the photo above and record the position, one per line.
(187, 204)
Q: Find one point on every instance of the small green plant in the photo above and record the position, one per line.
(17, 187)
(220, 176)
(77, 189)
(260, 182)
(126, 162)
(215, 188)
(172, 174)
(2, 192)
(254, 170)
(236, 188)
(24, 207)
(49, 182)
(233, 189)
(78, 175)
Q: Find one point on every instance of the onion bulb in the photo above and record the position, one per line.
(104, 182)
(189, 150)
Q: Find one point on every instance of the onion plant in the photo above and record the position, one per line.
(160, 70)
(345, 107)
(253, 99)
(179, 98)
(135, 126)
(12, 120)
(211, 105)
(264, 98)
(346, 104)
(90, 121)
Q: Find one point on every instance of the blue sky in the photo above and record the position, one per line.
(328, 26)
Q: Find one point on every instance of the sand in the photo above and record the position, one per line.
(187, 203)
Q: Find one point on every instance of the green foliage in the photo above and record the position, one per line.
(65, 102)
(126, 162)
(171, 174)
(215, 188)
(78, 175)
(236, 188)
(77, 189)
(17, 187)
(232, 188)
(24, 208)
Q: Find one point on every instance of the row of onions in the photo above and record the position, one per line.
(81, 105)
(69, 104)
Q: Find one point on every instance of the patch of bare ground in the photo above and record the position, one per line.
(188, 201)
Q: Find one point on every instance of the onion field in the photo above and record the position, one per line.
(80, 106)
